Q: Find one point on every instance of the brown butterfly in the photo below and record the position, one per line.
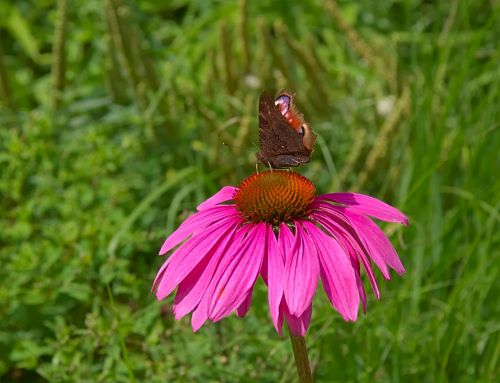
(286, 140)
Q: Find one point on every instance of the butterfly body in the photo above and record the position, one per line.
(286, 140)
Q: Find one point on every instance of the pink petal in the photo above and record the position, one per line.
(301, 273)
(200, 314)
(339, 226)
(366, 205)
(285, 246)
(281, 317)
(198, 318)
(376, 243)
(286, 241)
(185, 259)
(263, 269)
(224, 194)
(192, 288)
(350, 246)
(185, 248)
(159, 275)
(240, 275)
(298, 325)
(242, 309)
(337, 273)
(359, 283)
(275, 275)
(196, 223)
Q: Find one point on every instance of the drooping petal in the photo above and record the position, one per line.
(281, 317)
(159, 275)
(198, 318)
(337, 273)
(285, 241)
(275, 275)
(301, 273)
(364, 204)
(354, 252)
(381, 252)
(201, 313)
(196, 223)
(224, 194)
(192, 288)
(263, 269)
(242, 309)
(298, 325)
(340, 227)
(185, 259)
(240, 275)
(359, 283)
(376, 243)
(185, 248)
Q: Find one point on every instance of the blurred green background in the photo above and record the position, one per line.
(113, 114)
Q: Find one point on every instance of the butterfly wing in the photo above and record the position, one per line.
(280, 145)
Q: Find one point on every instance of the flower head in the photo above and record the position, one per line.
(276, 227)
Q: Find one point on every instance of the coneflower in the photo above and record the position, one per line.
(274, 225)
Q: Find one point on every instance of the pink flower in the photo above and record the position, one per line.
(274, 226)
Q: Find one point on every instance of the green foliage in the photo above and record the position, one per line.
(99, 165)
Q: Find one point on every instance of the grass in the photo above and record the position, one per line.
(109, 140)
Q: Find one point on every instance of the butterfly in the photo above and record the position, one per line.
(285, 139)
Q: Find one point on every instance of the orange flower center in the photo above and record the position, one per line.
(274, 196)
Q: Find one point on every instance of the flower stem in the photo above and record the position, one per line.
(301, 358)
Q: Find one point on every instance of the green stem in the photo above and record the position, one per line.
(301, 358)
(59, 54)
(5, 94)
